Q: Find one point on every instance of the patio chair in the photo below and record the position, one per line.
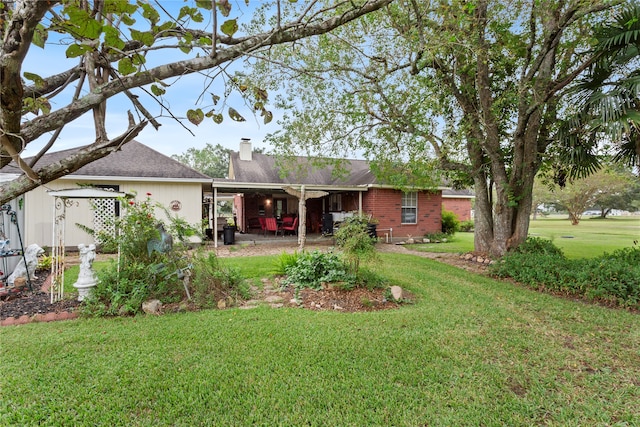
(293, 227)
(287, 220)
(263, 225)
(272, 225)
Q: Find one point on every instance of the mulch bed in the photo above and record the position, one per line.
(355, 300)
(28, 303)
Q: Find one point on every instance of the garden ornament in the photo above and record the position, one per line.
(31, 254)
(163, 244)
(87, 277)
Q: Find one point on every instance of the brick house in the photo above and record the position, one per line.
(261, 192)
(460, 202)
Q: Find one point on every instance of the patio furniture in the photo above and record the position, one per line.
(293, 227)
(263, 225)
(272, 225)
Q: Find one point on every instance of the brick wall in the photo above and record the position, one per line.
(385, 205)
(460, 207)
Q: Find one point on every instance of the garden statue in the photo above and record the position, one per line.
(162, 245)
(31, 255)
(87, 276)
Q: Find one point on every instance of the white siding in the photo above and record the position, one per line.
(39, 207)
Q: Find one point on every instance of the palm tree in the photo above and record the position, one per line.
(607, 101)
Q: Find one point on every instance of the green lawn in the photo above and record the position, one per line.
(470, 351)
(591, 238)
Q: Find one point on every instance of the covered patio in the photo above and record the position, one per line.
(253, 203)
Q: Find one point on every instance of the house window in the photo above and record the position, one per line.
(335, 202)
(409, 208)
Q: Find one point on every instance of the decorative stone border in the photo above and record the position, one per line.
(40, 317)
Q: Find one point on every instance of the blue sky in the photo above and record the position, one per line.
(171, 138)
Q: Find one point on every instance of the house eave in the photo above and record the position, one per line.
(235, 186)
(410, 188)
(135, 179)
(457, 196)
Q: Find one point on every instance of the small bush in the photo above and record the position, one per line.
(538, 246)
(466, 226)
(312, 269)
(369, 279)
(141, 273)
(433, 237)
(212, 283)
(284, 261)
(612, 278)
(355, 242)
(450, 222)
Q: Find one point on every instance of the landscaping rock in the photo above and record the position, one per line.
(222, 304)
(396, 293)
(153, 306)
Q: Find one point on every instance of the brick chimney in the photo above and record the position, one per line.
(245, 149)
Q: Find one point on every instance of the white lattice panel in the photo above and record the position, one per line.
(103, 215)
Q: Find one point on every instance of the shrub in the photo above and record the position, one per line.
(139, 274)
(369, 279)
(284, 261)
(355, 242)
(312, 269)
(538, 245)
(436, 236)
(450, 222)
(466, 226)
(613, 278)
(212, 283)
(121, 293)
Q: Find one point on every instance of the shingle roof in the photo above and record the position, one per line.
(264, 169)
(133, 160)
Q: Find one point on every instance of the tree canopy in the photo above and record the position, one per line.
(473, 88)
(133, 48)
(212, 160)
(606, 189)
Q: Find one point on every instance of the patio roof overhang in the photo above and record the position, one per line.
(254, 187)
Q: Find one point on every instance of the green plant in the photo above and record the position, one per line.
(211, 282)
(284, 261)
(312, 269)
(353, 238)
(613, 278)
(144, 270)
(436, 237)
(45, 262)
(466, 226)
(450, 222)
(369, 279)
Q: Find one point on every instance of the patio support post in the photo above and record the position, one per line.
(360, 203)
(302, 219)
(215, 217)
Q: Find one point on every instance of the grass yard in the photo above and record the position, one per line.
(591, 238)
(470, 351)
